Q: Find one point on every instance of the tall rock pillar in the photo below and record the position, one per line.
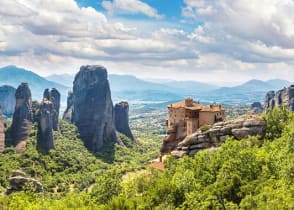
(121, 113)
(22, 117)
(93, 108)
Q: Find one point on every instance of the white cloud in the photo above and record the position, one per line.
(234, 42)
(130, 7)
(256, 31)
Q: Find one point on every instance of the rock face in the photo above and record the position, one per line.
(68, 114)
(22, 117)
(281, 97)
(19, 180)
(256, 108)
(121, 113)
(7, 99)
(54, 96)
(92, 107)
(47, 114)
(2, 132)
(217, 134)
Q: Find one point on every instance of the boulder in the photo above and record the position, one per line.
(47, 111)
(22, 117)
(121, 113)
(2, 132)
(19, 181)
(7, 99)
(93, 108)
(283, 97)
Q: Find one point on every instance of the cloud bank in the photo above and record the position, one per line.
(232, 41)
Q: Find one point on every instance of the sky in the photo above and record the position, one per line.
(214, 41)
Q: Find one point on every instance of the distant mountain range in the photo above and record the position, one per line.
(13, 76)
(127, 87)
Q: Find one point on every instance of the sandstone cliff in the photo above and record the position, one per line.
(2, 132)
(217, 134)
(281, 97)
(7, 99)
(93, 107)
(22, 117)
(121, 113)
(54, 96)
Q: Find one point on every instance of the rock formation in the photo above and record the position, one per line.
(121, 113)
(93, 108)
(68, 114)
(47, 114)
(22, 117)
(7, 99)
(54, 96)
(217, 134)
(2, 132)
(281, 97)
(256, 108)
(19, 181)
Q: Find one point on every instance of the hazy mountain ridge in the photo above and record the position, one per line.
(14, 76)
(128, 87)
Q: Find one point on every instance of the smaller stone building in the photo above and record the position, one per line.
(185, 117)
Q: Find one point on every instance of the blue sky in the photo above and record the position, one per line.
(212, 41)
(171, 9)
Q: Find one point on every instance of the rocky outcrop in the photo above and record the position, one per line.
(18, 181)
(54, 96)
(7, 99)
(47, 114)
(282, 97)
(217, 134)
(22, 117)
(68, 114)
(93, 108)
(2, 132)
(121, 113)
(256, 108)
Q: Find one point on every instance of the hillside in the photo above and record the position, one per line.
(71, 167)
(65, 79)
(13, 76)
(244, 174)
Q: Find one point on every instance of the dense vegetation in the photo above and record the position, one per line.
(246, 174)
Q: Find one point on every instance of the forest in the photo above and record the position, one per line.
(245, 174)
